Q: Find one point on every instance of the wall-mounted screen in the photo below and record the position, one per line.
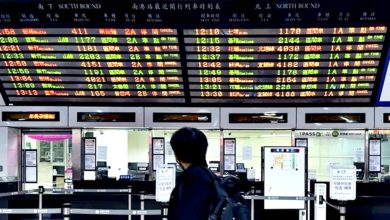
(106, 116)
(191, 52)
(30, 116)
(290, 65)
(91, 65)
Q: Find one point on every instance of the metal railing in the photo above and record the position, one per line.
(66, 210)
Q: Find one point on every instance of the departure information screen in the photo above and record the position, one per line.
(191, 52)
(274, 65)
(96, 64)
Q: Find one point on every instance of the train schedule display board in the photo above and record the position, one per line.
(91, 65)
(284, 173)
(191, 52)
(283, 65)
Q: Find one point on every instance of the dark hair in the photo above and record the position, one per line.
(190, 146)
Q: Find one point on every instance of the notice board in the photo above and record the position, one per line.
(284, 170)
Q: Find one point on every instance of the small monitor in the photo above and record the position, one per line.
(359, 170)
(214, 166)
(142, 166)
(385, 169)
(101, 164)
(132, 166)
(60, 169)
(240, 167)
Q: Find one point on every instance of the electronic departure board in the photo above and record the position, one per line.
(91, 64)
(192, 52)
(278, 65)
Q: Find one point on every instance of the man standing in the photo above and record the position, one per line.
(194, 193)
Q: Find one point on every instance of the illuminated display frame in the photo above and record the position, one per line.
(186, 97)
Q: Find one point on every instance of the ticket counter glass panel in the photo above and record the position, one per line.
(116, 148)
(327, 147)
(213, 138)
(249, 143)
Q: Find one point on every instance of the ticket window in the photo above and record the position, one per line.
(327, 147)
(249, 143)
(53, 157)
(116, 148)
(213, 150)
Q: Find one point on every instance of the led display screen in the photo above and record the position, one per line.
(191, 52)
(283, 65)
(30, 116)
(91, 65)
(105, 116)
(335, 118)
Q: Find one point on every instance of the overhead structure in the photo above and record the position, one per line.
(193, 53)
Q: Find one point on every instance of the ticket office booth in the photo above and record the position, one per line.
(250, 129)
(165, 121)
(37, 146)
(334, 136)
(111, 139)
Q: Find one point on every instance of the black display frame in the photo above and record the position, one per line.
(193, 20)
(157, 152)
(33, 166)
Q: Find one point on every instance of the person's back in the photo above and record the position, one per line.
(194, 193)
(193, 196)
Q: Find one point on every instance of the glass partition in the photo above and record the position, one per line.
(213, 138)
(249, 143)
(327, 147)
(116, 148)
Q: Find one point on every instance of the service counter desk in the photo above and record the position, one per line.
(146, 187)
(372, 202)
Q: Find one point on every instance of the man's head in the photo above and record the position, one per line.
(190, 146)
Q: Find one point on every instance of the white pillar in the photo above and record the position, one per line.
(10, 149)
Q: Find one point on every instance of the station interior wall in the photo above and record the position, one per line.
(132, 145)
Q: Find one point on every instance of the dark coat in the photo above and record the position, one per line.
(193, 195)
